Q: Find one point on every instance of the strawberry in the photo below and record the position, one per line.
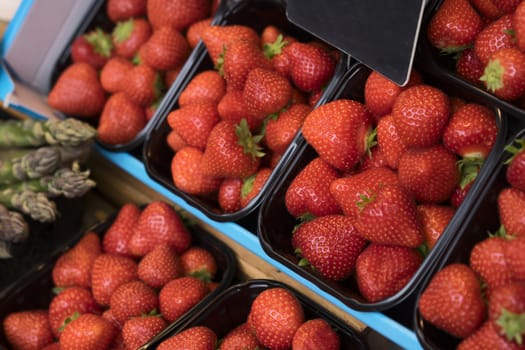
(139, 330)
(113, 73)
(430, 174)
(178, 14)
(511, 207)
(199, 262)
(329, 244)
(471, 131)
(311, 66)
(52, 346)
(516, 164)
(159, 223)
(216, 38)
(121, 120)
(266, 92)
(389, 216)
(93, 48)
(375, 159)
(383, 270)
(108, 273)
(507, 310)
(487, 338)
(338, 132)
(132, 299)
(233, 108)
(271, 331)
(180, 295)
(253, 185)
(142, 84)
(27, 330)
(494, 37)
(66, 303)
(160, 266)
(171, 75)
(194, 122)
(205, 87)
(229, 196)
(518, 24)
(389, 142)
(469, 66)
(348, 191)
(108, 315)
(73, 268)
(231, 151)
(187, 175)
(316, 334)
(420, 115)
(514, 258)
(115, 240)
(166, 49)
(281, 131)
(195, 338)
(380, 92)
(128, 36)
(504, 75)
(78, 91)
(175, 141)
(452, 301)
(506, 6)
(434, 220)
(121, 10)
(241, 337)
(456, 103)
(88, 331)
(194, 32)
(487, 8)
(459, 194)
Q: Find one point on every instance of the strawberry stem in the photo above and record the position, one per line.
(275, 48)
(468, 168)
(202, 274)
(512, 325)
(100, 41)
(493, 75)
(249, 143)
(247, 185)
(454, 49)
(123, 30)
(219, 65)
(371, 141)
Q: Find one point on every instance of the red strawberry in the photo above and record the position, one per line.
(329, 244)
(121, 10)
(311, 66)
(487, 8)
(420, 115)
(309, 190)
(116, 238)
(139, 330)
(194, 32)
(27, 330)
(233, 108)
(389, 142)
(216, 38)
(454, 25)
(108, 273)
(504, 75)
(507, 311)
(375, 159)
(494, 37)
(68, 302)
(205, 87)
(166, 49)
(348, 191)
(338, 132)
(383, 270)
(78, 91)
(231, 151)
(121, 120)
(160, 266)
(113, 74)
(199, 262)
(73, 268)
(195, 338)
(452, 301)
(253, 185)
(518, 24)
(180, 295)
(132, 299)
(171, 75)
(281, 131)
(381, 92)
(515, 259)
(229, 196)
(316, 334)
(241, 337)
(271, 331)
(389, 216)
(88, 331)
(194, 122)
(430, 174)
(142, 84)
(471, 131)
(175, 141)
(52, 346)
(459, 194)
(486, 337)
(516, 165)
(93, 48)
(434, 220)
(128, 36)
(187, 175)
(506, 6)
(178, 14)
(511, 207)
(108, 315)
(469, 66)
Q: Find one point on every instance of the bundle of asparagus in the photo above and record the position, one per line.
(39, 160)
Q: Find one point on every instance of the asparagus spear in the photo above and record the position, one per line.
(13, 227)
(34, 133)
(5, 250)
(36, 205)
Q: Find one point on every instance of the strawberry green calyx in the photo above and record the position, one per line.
(123, 30)
(501, 232)
(493, 75)
(100, 41)
(303, 218)
(512, 325)
(203, 275)
(219, 65)
(303, 262)
(364, 200)
(371, 141)
(247, 185)
(453, 50)
(469, 169)
(514, 148)
(68, 320)
(275, 48)
(249, 143)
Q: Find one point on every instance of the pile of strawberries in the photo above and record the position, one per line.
(387, 178)
(119, 76)
(120, 291)
(488, 37)
(276, 321)
(233, 123)
(482, 302)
